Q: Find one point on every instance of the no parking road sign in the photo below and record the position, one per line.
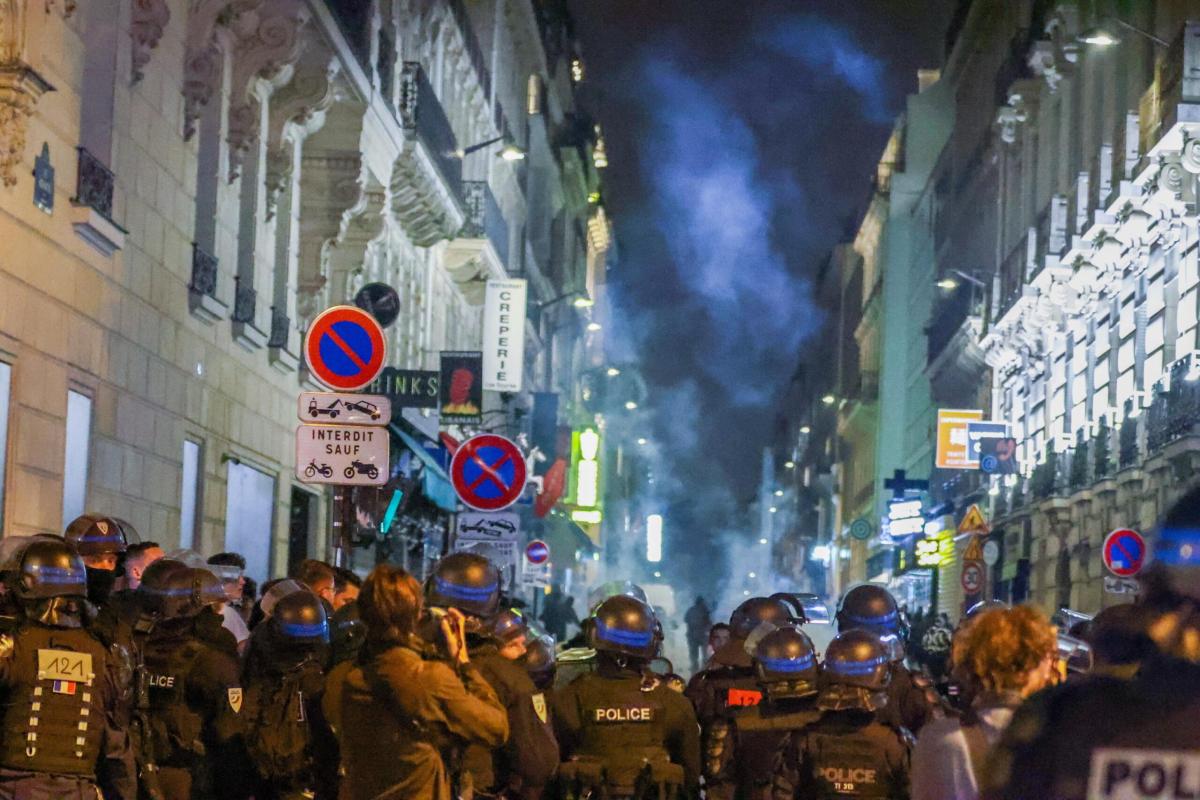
(1124, 552)
(537, 552)
(344, 348)
(488, 472)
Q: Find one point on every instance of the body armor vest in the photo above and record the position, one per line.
(175, 728)
(53, 719)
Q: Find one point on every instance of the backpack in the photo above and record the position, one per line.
(278, 734)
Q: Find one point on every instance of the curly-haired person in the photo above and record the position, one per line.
(1008, 654)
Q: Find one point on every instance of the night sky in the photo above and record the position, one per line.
(742, 137)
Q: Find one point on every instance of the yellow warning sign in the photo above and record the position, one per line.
(973, 522)
(974, 551)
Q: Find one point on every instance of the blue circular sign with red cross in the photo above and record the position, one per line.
(537, 552)
(1124, 552)
(488, 472)
(344, 348)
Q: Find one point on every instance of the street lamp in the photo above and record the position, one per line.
(947, 284)
(593, 327)
(509, 152)
(762, 541)
(630, 405)
(578, 298)
(805, 429)
(828, 399)
(1103, 35)
(613, 372)
(641, 441)
(779, 492)
(789, 465)
(773, 509)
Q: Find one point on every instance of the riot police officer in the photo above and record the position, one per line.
(539, 662)
(292, 750)
(1080, 739)
(728, 682)
(912, 698)
(194, 745)
(624, 733)
(59, 737)
(847, 751)
(741, 752)
(523, 766)
(100, 541)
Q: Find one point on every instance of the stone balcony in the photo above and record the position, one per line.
(480, 251)
(426, 193)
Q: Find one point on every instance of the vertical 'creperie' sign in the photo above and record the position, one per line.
(504, 335)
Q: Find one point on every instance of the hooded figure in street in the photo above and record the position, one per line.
(741, 752)
(623, 732)
(848, 751)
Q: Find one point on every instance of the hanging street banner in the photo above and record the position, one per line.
(980, 432)
(461, 388)
(345, 409)
(999, 456)
(408, 388)
(346, 455)
(953, 443)
(504, 335)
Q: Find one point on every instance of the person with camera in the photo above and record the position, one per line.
(399, 712)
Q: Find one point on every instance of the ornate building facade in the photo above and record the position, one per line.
(186, 184)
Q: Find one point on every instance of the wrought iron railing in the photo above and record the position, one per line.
(204, 272)
(280, 330)
(484, 218)
(244, 300)
(94, 184)
(422, 112)
(1127, 438)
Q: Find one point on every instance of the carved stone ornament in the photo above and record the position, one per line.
(305, 98)
(202, 59)
(20, 89)
(64, 8)
(148, 21)
(268, 44)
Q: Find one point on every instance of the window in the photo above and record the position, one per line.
(5, 385)
(189, 494)
(78, 449)
(249, 518)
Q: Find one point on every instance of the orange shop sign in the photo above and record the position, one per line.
(953, 444)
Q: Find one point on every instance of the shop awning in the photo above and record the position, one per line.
(564, 536)
(435, 482)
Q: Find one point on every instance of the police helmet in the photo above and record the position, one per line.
(507, 625)
(96, 535)
(466, 581)
(612, 589)
(49, 567)
(755, 611)
(624, 625)
(539, 661)
(856, 672)
(174, 590)
(279, 590)
(984, 605)
(872, 608)
(786, 663)
(300, 619)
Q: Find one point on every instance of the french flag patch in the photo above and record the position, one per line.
(64, 687)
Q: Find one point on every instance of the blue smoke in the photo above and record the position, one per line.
(716, 210)
(827, 49)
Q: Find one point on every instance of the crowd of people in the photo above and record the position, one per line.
(130, 672)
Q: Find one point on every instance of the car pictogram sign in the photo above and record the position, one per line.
(344, 348)
(488, 472)
(537, 552)
(1124, 552)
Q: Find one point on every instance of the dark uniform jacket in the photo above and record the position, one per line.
(843, 754)
(742, 766)
(622, 720)
(58, 717)
(399, 716)
(195, 731)
(1048, 748)
(912, 700)
(524, 765)
(726, 685)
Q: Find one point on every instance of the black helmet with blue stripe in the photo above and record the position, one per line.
(856, 672)
(870, 607)
(466, 581)
(625, 626)
(299, 619)
(786, 663)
